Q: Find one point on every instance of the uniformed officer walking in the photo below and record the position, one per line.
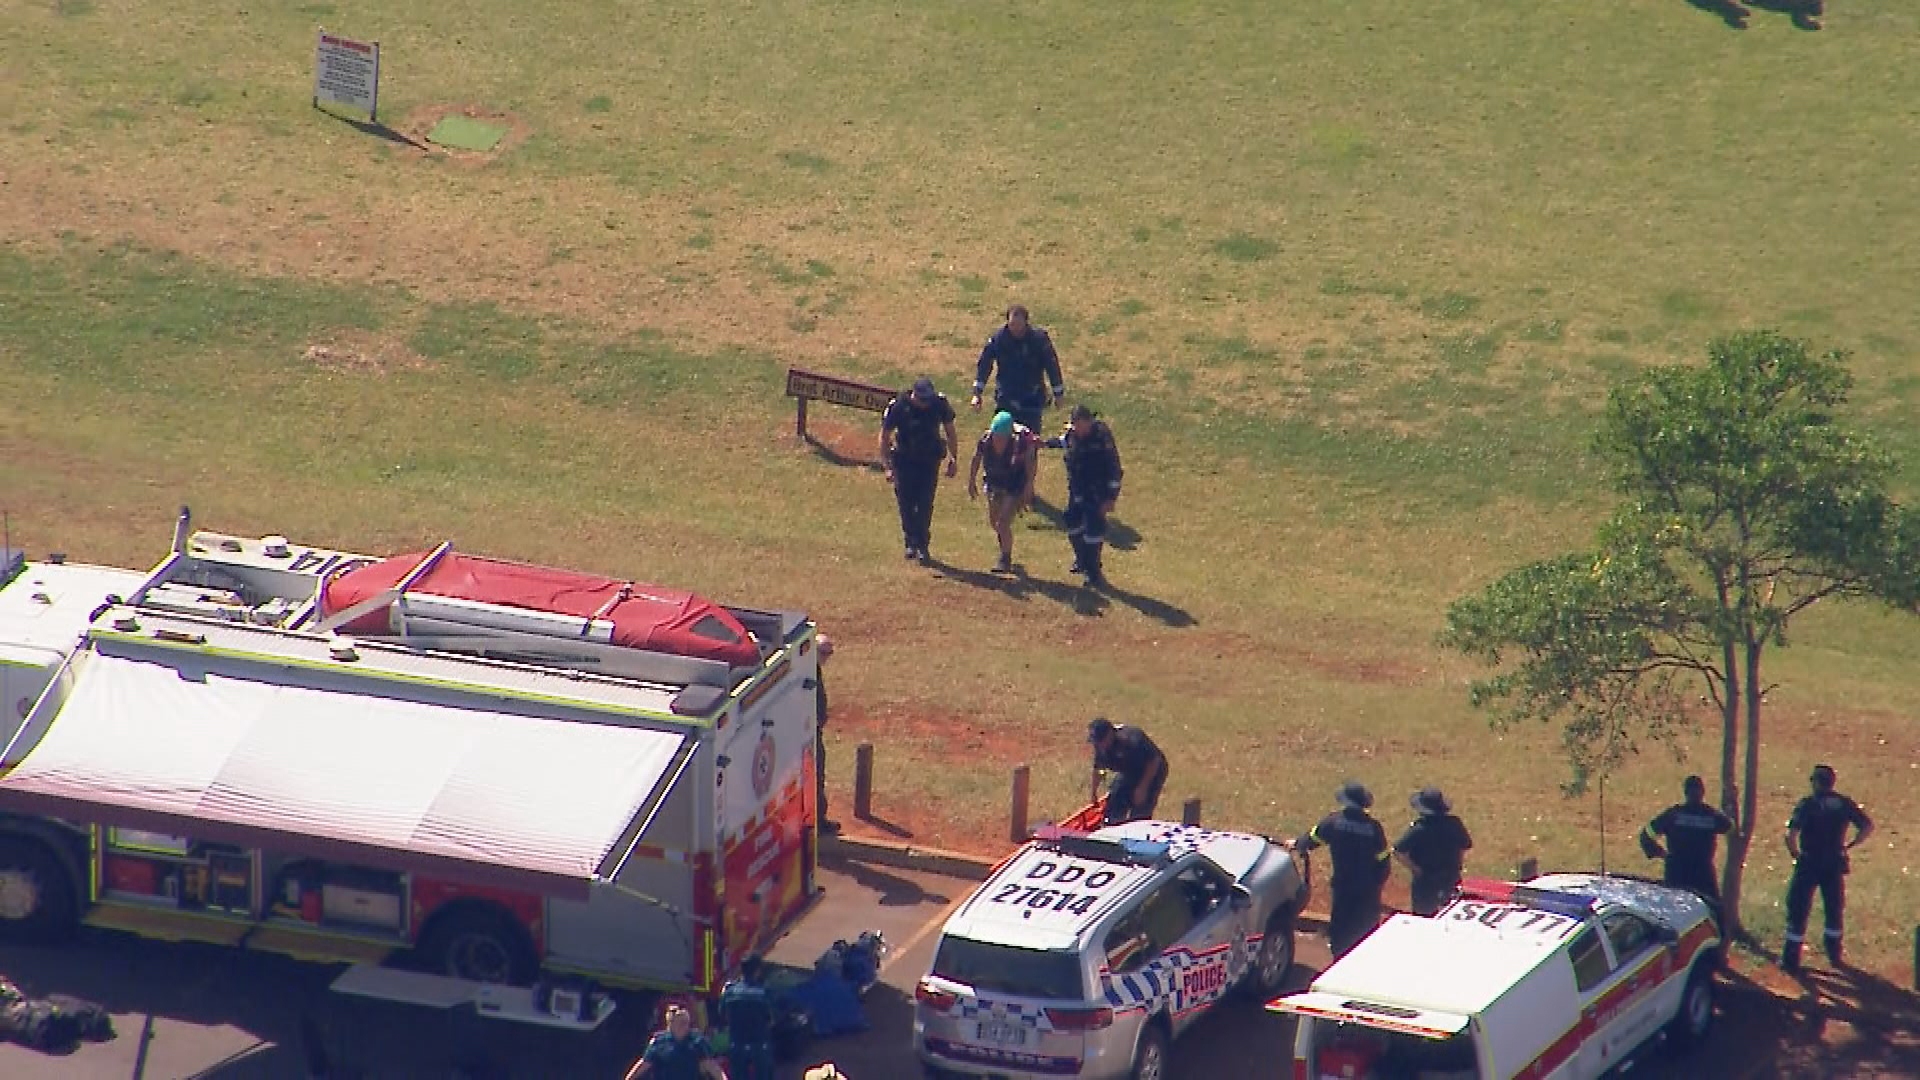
(1021, 359)
(1817, 840)
(1361, 864)
(1692, 830)
(678, 1053)
(911, 446)
(747, 1010)
(1093, 486)
(1139, 769)
(1434, 850)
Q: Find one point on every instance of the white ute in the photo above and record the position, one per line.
(1565, 977)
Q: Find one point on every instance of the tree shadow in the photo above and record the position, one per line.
(1805, 14)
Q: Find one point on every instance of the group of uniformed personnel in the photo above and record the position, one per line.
(1433, 848)
(917, 434)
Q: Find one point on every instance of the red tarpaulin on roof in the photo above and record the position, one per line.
(643, 616)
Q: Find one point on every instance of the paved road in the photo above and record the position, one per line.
(190, 1011)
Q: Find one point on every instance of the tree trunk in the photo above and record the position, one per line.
(1742, 842)
(1730, 803)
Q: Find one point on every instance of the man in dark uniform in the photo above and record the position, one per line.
(827, 826)
(1093, 486)
(1817, 840)
(1692, 830)
(1027, 365)
(1434, 850)
(677, 1053)
(747, 1010)
(1139, 769)
(911, 446)
(1361, 863)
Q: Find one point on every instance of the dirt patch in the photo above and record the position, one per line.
(420, 122)
(360, 353)
(948, 735)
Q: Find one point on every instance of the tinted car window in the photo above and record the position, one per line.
(1127, 945)
(1167, 915)
(1629, 934)
(1206, 888)
(1590, 964)
(1008, 969)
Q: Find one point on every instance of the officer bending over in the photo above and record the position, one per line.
(1139, 769)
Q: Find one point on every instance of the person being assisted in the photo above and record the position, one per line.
(1007, 455)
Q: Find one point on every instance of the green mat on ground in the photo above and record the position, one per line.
(465, 133)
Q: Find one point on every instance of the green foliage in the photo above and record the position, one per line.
(1744, 502)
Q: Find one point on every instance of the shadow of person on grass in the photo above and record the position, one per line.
(1120, 535)
(1018, 585)
(1736, 13)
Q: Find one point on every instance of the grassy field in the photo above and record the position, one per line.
(1349, 281)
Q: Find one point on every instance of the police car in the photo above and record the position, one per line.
(1565, 977)
(1086, 954)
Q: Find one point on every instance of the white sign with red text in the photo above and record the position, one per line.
(347, 73)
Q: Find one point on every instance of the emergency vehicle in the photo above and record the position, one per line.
(1565, 977)
(1086, 954)
(503, 771)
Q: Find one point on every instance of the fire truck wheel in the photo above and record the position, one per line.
(38, 902)
(480, 943)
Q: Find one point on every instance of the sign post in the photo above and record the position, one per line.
(805, 386)
(347, 73)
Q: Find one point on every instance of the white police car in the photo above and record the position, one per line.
(1086, 954)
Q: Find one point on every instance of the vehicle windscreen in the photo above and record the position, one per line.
(1008, 969)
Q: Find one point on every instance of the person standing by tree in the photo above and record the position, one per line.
(1692, 830)
(1007, 451)
(1434, 851)
(911, 447)
(1093, 486)
(1817, 840)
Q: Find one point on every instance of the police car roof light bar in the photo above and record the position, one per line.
(1572, 905)
(1084, 846)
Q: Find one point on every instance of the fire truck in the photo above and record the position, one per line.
(504, 772)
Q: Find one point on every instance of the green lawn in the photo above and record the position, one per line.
(1349, 281)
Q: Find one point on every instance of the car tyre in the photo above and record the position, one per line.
(1150, 1057)
(1694, 1022)
(479, 943)
(39, 904)
(1273, 961)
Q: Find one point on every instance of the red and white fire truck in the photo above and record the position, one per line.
(500, 769)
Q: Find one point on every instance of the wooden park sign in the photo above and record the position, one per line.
(805, 386)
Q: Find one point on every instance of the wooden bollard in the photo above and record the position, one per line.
(1529, 868)
(863, 781)
(1190, 812)
(1017, 825)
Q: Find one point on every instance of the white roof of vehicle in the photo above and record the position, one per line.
(1675, 908)
(1459, 961)
(1233, 852)
(221, 748)
(45, 609)
(997, 916)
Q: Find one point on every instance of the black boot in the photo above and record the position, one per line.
(1079, 555)
(1833, 951)
(1790, 958)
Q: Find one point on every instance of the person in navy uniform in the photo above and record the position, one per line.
(747, 1009)
(1139, 769)
(1434, 850)
(1020, 358)
(911, 447)
(1093, 487)
(1692, 831)
(678, 1053)
(1817, 840)
(1361, 863)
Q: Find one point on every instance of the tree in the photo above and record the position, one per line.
(1744, 501)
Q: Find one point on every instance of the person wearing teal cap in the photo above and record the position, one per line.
(1007, 454)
